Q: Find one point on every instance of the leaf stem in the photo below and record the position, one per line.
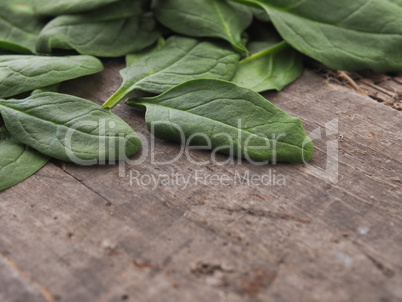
(272, 49)
(116, 98)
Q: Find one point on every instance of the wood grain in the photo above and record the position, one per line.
(86, 234)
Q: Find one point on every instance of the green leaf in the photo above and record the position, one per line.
(132, 58)
(260, 14)
(206, 18)
(50, 88)
(60, 7)
(112, 31)
(182, 59)
(236, 120)
(343, 34)
(17, 161)
(40, 71)
(19, 27)
(69, 128)
(271, 66)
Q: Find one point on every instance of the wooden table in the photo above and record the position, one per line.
(73, 233)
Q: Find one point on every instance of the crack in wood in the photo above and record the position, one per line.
(384, 269)
(387, 272)
(168, 259)
(268, 214)
(108, 203)
(46, 293)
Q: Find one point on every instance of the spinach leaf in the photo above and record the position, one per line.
(111, 31)
(343, 34)
(237, 121)
(20, 73)
(50, 88)
(59, 7)
(19, 27)
(69, 128)
(260, 14)
(17, 161)
(271, 66)
(132, 58)
(206, 18)
(181, 60)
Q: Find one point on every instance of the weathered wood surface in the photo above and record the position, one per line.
(72, 233)
(384, 88)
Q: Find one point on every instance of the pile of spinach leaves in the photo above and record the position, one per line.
(204, 62)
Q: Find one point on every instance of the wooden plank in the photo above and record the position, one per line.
(86, 234)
